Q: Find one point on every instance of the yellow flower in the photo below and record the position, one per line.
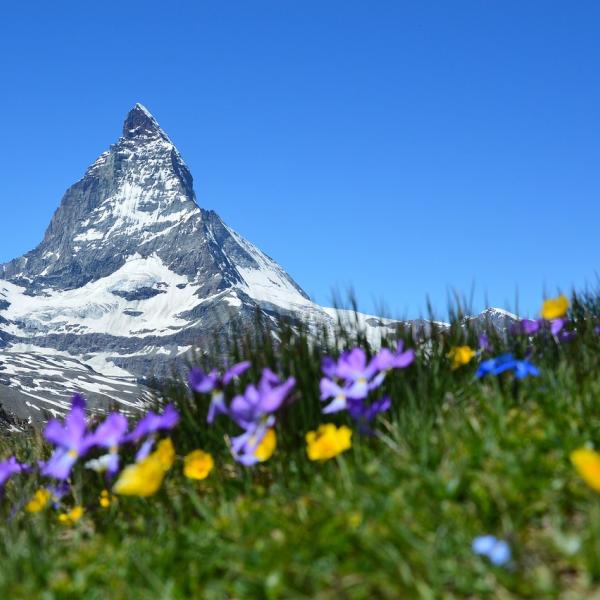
(461, 355)
(267, 446)
(554, 308)
(39, 501)
(587, 463)
(328, 441)
(71, 517)
(198, 464)
(106, 499)
(165, 453)
(144, 478)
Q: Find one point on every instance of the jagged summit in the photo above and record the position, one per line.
(141, 122)
(132, 269)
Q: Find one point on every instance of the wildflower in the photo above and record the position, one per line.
(587, 463)
(361, 376)
(145, 477)
(40, 500)
(400, 359)
(109, 434)
(198, 465)
(353, 377)
(507, 362)
(214, 384)
(461, 355)
(328, 441)
(529, 326)
(258, 402)
(8, 468)
(267, 447)
(555, 308)
(72, 440)
(106, 499)
(71, 517)
(331, 389)
(165, 453)
(364, 413)
(497, 551)
(484, 343)
(149, 426)
(254, 412)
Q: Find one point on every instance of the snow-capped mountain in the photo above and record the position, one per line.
(132, 272)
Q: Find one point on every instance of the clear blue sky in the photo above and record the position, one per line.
(401, 147)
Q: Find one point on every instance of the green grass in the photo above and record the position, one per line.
(394, 517)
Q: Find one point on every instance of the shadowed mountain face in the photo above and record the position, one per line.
(132, 273)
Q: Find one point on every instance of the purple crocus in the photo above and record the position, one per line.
(72, 440)
(8, 468)
(507, 362)
(109, 434)
(149, 426)
(254, 412)
(214, 383)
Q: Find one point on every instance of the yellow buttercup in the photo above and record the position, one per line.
(555, 308)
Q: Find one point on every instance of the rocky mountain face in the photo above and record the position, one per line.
(132, 273)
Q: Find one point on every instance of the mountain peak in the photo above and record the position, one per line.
(140, 122)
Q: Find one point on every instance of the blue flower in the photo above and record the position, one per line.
(507, 362)
(497, 551)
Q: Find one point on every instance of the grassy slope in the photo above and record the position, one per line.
(392, 518)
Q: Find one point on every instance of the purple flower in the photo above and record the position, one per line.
(353, 377)
(109, 434)
(72, 440)
(254, 412)
(149, 426)
(386, 359)
(364, 413)
(557, 329)
(206, 383)
(529, 326)
(258, 402)
(497, 551)
(358, 376)
(361, 376)
(8, 468)
(330, 389)
(484, 343)
(507, 362)
(556, 326)
(243, 447)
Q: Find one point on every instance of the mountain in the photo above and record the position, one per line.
(132, 273)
